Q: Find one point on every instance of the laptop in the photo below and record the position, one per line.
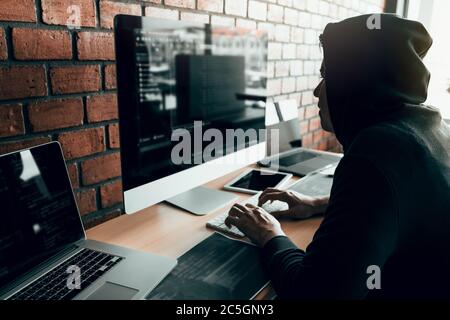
(289, 156)
(44, 253)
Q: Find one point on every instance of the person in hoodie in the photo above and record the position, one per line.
(386, 227)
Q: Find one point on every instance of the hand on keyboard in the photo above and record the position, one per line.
(257, 224)
(296, 205)
(218, 223)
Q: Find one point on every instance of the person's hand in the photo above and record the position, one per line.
(300, 206)
(258, 225)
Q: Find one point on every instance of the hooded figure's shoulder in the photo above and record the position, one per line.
(387, 145)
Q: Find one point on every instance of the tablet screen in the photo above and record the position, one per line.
(257, 181)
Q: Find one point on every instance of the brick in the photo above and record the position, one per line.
(73, 175)
(312, 5)
(110, 76)
(40, 44)
(296, 68)
(86, 201)
(288, 85)
(210, 5)
(299, 4)
(22, 82)
(311, 37)
(246, 24)
(269, 28)
(257, 10)
(274, 51)
(17, 10)
(95, 46)
(3, 46)
(195, 17)
(100, 168)
(282, 33)
(275, 13)
(304, 19)
(290, 16)
(309, 67)
(109, 9)
(297, 96)
(75, 79)
(282, 69)
(314, 124)
(161, 13)
(316, 22)
(111, 194)
(74, 13)
(303, 52)
(311, 112)
(55, 114)
(308, 98)
(302, 83)
(286, 3)
(307, 140)
(270, 69)
(113, 132)
(273, 87)
(297, 35)
(236, 7)
(77, 144)
(301, 112)
(289, 51)
(102, 107)
(190, 4)
(11, 123)
(304, 128)
(317, 136)
(6, 147)
(222, 21)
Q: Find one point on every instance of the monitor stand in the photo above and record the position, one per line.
(202, 200)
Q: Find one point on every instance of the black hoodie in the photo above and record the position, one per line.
(390, 202)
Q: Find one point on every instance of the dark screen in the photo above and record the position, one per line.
(257, 181)
(176, 75)
(38, 211)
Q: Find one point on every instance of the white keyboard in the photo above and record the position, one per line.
(218, 223)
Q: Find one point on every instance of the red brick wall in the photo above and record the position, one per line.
(58, 82)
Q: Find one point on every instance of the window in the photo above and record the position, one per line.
(434, 16)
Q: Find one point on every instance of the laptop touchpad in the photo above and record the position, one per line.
(112, 291)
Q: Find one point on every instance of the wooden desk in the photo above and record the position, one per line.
(168, 231)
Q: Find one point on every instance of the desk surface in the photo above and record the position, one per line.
(165, 230)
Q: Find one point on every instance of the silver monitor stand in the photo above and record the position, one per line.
(201, 200)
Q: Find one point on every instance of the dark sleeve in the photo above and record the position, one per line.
(359, 230)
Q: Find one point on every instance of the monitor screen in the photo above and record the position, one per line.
(39, 216)
(180, 86)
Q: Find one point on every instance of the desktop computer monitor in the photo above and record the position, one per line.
(191, 108)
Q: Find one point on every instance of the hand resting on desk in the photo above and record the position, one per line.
(261, 226)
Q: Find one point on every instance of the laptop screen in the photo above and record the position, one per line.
(38, 212)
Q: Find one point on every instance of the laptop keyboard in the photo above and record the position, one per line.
(296, 158)
(54, 284)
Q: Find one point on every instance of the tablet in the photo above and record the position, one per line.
(254, 180)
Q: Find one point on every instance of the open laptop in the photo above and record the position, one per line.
(289, 156)
(44, 253)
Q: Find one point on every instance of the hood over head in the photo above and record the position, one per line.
(371, 74)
